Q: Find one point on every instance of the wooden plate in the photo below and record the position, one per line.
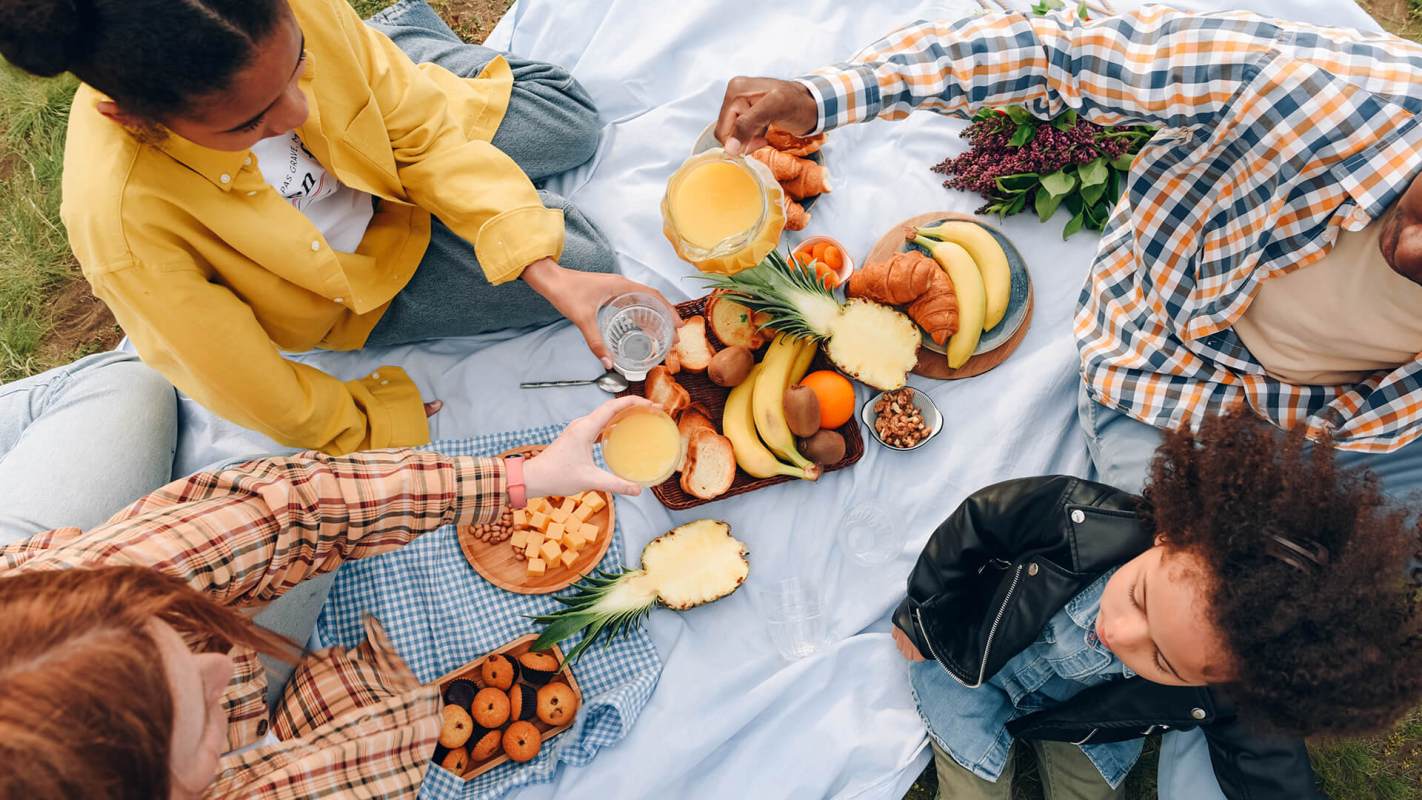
(713, 398)
(514, 649)
(998, 343)
(499, 566)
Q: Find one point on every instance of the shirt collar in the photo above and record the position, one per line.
(1377, 177)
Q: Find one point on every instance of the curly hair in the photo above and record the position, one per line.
(1324, 645)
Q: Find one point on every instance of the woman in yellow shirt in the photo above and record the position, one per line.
(247, 177)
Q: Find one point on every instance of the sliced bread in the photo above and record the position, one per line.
(693, 349)
(710, 465)
(663, 390)
(692, 419)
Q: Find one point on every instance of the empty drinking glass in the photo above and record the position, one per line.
(638, 331)
(792, 617)
(868, 536)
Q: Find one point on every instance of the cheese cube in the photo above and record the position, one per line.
(569, 504)
(519, 539)
(536, 566)
(595, 500)
(538, 521)
(583, 511)
(569, 558)
(550, 552)
(557, 532)
(535, 539)
(531, 551)
(560, 516)
(538, 504)
(589, 533)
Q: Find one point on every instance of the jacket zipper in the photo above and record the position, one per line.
(992, 632)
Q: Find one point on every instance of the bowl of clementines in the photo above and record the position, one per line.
(827, 257)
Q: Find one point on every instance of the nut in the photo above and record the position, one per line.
(898, 421)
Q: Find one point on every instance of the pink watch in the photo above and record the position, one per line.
(513, 474)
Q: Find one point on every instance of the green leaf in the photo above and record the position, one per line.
(1019, 114)
(1024, 134)
(1019, 183)
(1018, 203)
(1081, 10)
(1047, 205)
(1092, 194)
(1123, 161)
(1093, 172)
(1074, 226)
(1066, 121)
(1059, 183)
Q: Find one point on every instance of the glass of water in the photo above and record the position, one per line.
(793, 617)
(638, 331)
(869, 536)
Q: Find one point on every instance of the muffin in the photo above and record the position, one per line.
(557, 704)
(538, 668)
(522, 702)
(521, 741)
(491, 708)
(498, 672)
(488, 745)
(460, 693)
(456, 727)
(456, 760)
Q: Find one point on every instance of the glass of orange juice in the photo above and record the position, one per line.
(723, 213)
(642, 445)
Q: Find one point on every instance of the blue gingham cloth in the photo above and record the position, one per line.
(441, 614)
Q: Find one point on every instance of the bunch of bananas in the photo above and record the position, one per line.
(981, 278)
(755, 419)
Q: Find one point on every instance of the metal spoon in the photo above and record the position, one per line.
(611, 382)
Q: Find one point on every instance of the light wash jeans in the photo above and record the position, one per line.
(81, 442)
(1121, 449)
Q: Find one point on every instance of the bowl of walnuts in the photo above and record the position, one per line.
(902, 419)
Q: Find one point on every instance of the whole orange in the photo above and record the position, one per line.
(836, 396)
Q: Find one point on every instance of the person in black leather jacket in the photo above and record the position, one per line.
(1254, 591)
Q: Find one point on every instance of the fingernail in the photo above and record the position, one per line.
(607, 363)
(733, 146)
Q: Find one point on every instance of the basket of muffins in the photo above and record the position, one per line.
(504, 707)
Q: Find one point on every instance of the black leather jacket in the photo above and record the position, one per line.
(1009, 559)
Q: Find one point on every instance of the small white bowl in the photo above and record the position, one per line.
(931, 417)
(845, 271)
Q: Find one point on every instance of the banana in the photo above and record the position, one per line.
(991, 261)
(738, 423)
(972, 297)
(768, 399)
(802, 360)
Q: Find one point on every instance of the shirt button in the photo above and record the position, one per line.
(251, 194)
(1198, 713)
(375, 376)
(262, 728)
(1033, 569)
(247, 162)
(340, 299)
(315, 246)
(226, 178)
(385, 383)
(1078, 516)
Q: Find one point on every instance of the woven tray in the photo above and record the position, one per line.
(713, 398)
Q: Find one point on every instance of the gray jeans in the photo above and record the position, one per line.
(80, 442)
(551, 126)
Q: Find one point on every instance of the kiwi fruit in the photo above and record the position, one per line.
(823, 448)
(802, 411)
(730, 366)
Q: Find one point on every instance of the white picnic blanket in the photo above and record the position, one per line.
(729, 718)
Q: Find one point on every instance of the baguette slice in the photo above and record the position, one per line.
(710, 465)
(663, 390)
(672, 362)
(693, 349)
(692, 419)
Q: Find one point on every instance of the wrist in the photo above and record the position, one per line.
(536, 478)
(541, 274)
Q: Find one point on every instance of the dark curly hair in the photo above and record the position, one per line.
(156, 58)
(1327, 644)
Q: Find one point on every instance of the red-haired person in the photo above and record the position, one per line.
(128, 661)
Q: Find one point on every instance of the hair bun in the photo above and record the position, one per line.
(41, 36)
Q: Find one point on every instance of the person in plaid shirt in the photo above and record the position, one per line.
(128, 664)
(1282, 146)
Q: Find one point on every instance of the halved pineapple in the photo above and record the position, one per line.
(695, 564)
(872, 343)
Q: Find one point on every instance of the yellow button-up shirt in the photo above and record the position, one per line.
(212, 273)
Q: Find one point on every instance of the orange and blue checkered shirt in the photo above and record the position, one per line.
(1274, 136)
(351, 723)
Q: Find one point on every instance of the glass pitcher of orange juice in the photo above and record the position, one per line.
(642, 445)
(723, 213)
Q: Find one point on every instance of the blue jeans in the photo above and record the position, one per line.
(81, 442)
(1121, 450)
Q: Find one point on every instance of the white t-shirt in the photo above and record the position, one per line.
(341, 213)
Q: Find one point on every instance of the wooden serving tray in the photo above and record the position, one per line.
(931, 364)
(713, 399)
(513, 650)
(499, 566)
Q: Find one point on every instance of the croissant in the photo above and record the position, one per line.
(915, 280)
(796, 217)
(787, 142)
(800, 177)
